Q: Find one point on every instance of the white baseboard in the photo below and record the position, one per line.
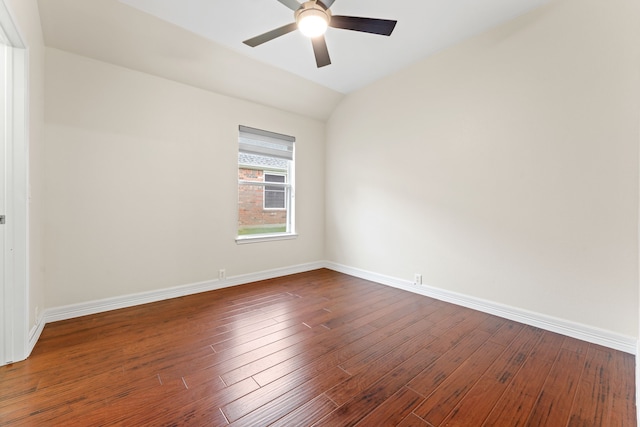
(550, 323)
(34, 334)
(565, 327)
(98, 306)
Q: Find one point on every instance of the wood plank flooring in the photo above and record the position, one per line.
(313, 349)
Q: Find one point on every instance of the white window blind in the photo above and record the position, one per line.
(265, 143)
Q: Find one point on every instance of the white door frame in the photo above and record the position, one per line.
(14, 282)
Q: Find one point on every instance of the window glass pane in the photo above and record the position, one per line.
(274, 198)
(253, 218)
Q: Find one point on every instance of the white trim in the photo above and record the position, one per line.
(9, 29)
(265, 183)
(107, 304)
(16, 283)
(565, 327)
(255, 238)
(550, 323)
(34, 334)
(638, 383)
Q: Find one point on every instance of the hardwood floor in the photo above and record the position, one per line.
(318, 348)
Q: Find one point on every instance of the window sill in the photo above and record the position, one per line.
(242, 240)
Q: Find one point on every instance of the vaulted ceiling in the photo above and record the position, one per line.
(199, 42)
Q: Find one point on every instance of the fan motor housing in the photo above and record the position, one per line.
(311, 8)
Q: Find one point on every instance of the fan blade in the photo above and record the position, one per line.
(384, 27)
(326, 3)
(270, 35)
(291, 4)
(321, 51)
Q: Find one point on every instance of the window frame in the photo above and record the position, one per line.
(288, 185)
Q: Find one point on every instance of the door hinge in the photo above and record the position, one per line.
(1, 219)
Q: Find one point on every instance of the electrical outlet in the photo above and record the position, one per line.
(222, 274)
(417, 279)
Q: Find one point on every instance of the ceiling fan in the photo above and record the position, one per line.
(312, 19)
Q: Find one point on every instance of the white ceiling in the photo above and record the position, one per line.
(358, 59)
(199, 43)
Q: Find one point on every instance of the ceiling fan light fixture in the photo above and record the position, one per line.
(312, 20)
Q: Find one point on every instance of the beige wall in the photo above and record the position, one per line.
(142, 183)
(505, 168)
(28, 21)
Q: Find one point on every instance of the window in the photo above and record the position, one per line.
(265, 185)
(274, 196)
